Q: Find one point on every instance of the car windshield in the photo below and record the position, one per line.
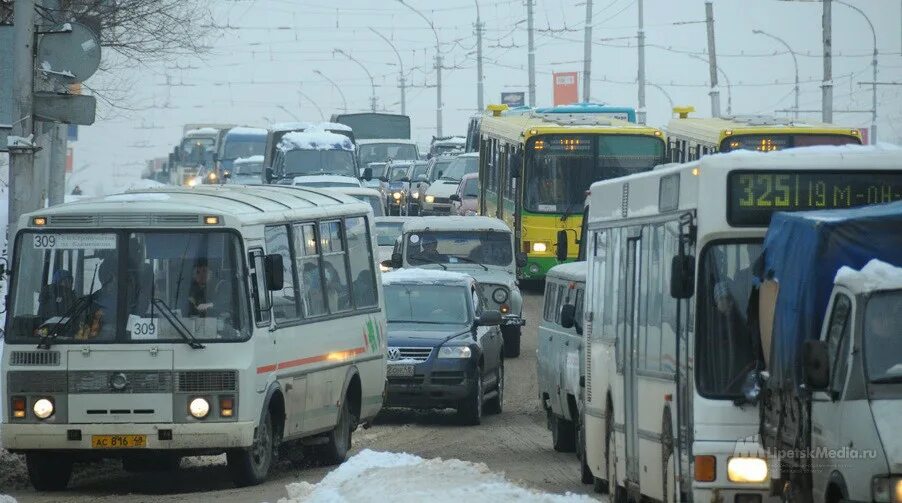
(248, 168)
(432, 304)
(71, 287)
(460, 166)
(318, 162)
(459, 247)
(560, 168)
(197, 150)
(244, 148)
(387, 232)
(380, 152)
(725, 352)
(398, 172)
(882, 330)
(471, 187)
(439, 167)
(419, 170)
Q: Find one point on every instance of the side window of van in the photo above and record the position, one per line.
(360, 257)
(561, 300)
(338, 294)
(550, 300)
(578, 302)
(284, 301)
(309, 270)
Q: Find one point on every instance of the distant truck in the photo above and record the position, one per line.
(373, 126)
(830, 315)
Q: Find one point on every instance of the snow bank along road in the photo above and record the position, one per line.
(515, 442)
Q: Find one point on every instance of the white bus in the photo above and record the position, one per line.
(670, 338)
(158, 324)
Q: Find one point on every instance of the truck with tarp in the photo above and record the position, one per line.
(827, 413)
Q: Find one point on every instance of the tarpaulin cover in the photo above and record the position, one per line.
(803, 251)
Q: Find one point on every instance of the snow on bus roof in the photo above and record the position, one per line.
(244, 130)
(249, 160)
(875, 275)
(315, 140)
(289, 126)
(424, 276)
(202, 131)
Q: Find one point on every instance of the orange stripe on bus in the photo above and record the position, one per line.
(310, 359)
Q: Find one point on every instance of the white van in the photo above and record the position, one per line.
(157, 324)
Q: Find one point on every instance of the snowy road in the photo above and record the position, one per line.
(515, 443)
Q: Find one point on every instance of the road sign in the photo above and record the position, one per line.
(64, 108)
(513, 99)
(565, 88)
(71, 51)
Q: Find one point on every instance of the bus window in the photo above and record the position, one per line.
(360, 257)
(284, 301)
(336, 274)
(309, 270)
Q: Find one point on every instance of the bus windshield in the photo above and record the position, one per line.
(380, 152)
(197, 150)
(461, 166)
(459, 247)
(725, 351)
(770, 143)
(72, 287)
(560, 168)
(431, 304)
(318, 162)
(244, 148)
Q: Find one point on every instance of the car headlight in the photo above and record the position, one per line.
(887, 490)
(192, 182)
(199, 407)
(499, 295)
(397, 196)
(43, 408)
(454, 352)
(470, 213)
(429, 199)
(747, 470)
(539, 247)
(212, 176)
(415, 195)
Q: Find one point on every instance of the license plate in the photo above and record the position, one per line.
(118, 441)
(399, 370)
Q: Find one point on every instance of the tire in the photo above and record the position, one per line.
(603, 486)
(511, 336)
(495, 405)
(48, 472)
(335, 450)
(562, 434)
(154, 463)
(470, 409)
(250, 466)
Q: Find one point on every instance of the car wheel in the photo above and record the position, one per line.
(250, 466)
(511, 336)
(562, 434)
(48, 472)
(470, 409)
(495, 405)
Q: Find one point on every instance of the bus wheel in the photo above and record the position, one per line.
(562, 434)
(338, 441)
(48, 472)
(250, 466)
(511, 336)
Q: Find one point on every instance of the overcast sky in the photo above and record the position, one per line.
(270, 49)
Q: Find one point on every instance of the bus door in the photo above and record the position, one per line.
(631, 353)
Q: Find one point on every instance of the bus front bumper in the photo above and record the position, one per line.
(161, 436)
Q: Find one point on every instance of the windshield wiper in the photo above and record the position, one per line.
(470, 261)
(65, 320)
(427, 261)
(888, 379)
(567, 211)
(177, 324)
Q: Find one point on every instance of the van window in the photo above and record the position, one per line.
(284, 301)
(550, 300)
(338, 294)
(561, 291)
(838, 340)
(360, 257)
(578, 303)
(309, 270)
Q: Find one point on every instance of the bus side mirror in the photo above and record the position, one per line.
(682, 276)
(561, 245)
(816, 365)
(397, 260)
(521, 259)
(568, 315)
(269, 174)
(454, 197)
(367, 174)
(275, 272)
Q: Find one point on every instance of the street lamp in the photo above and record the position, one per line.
(873, 135)
(438, 69)
(795, 62)
(368, 74)
(337, 87)
(727, 79)
(312, 102)
(401, 82)
(665, 93)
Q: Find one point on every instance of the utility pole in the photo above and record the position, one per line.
(587, 55)
(480, 105)
(56, 187)
(641, 76)
(827, 84)
(532, 54)
(402, 83)
(712, 60)
(23, 189)
(438, 68)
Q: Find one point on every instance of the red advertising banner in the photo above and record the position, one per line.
(566, 90)
(68, 159)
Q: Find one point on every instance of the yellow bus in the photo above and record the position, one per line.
(690, 138)
(536, 165)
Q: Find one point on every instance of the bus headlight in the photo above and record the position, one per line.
(430, 199)
(539, 247)
(199, 407)
(43, 408)
(747, 470)
(887, 490)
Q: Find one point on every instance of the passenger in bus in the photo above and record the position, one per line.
(198, 295)
(364, 289)
(58, 297)
(100, 316)
(313, 292)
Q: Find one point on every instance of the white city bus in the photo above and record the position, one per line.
(667, 413)
(157, 324)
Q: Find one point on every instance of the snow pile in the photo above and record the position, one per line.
(315, 140)
(875, 275)
(7, 499)
(417, 275)
(401, 477)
